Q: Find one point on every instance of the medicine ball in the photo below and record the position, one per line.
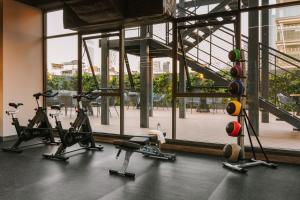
(234, 129)
(234, 55)
(234, 108)
(232, 152)
(236, 88)
(236, 71)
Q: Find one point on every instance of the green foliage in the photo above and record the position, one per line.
(62, 83)
(225, 74)
(162, 84)
(196, 81)
(114, 82)
(88, 82)
(286, 83)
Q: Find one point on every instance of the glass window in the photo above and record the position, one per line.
(104, 111)
(62, 68)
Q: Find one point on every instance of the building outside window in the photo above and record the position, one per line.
(288, 35)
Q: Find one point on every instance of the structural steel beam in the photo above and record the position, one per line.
(253, 67)
(235, 12)
(144, 76)
(121, 79)
(91, 64)
(183, 76)
(131, 82)
(104, 80)
(151, 87)
(79, 72)
(174, 77)
(197, 3)
(265, 59)
(150, 30)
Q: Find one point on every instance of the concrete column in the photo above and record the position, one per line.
(253, 67)
(182, 88)
(145, 82)
(104, 80)
(265, 59)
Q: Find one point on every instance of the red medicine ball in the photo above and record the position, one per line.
(234, 129)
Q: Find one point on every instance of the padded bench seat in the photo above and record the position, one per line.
(140, 140)
(143, 140)
(135, 143)
(124, 144)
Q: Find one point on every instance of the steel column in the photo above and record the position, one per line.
(45, 70)
(79, 73)
(182, 89)
(238, 45)
(121, 78)
(151, 87)
(150, 29)
(174, 77)
(253, 67)
(104, 80)
(144, 76)
(182, 72)
(265, 59)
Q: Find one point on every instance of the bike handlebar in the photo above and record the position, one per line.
(87, 95)
(50, 95)
(47, 94)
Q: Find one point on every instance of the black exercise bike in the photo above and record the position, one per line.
(80, 131)
(38, 127)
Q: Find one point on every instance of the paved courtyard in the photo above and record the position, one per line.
(202, 127)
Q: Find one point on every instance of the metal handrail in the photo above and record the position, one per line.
(279, 52)
(209, 55)
(213, 66)
(244, 36)
(276, 56)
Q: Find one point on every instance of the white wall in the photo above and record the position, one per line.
(22, 60)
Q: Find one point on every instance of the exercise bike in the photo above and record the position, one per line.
(80, 131)
(38, 127)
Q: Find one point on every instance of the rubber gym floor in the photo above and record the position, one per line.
(85, 176)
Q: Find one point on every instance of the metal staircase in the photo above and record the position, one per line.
(193, 64)
(280, 113)
(200, 34)
(192, 37)
(161, 47)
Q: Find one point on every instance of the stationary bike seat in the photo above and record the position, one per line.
(15, 105)
(140, 140)
(124, 144)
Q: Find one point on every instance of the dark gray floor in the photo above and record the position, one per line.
(27, 176)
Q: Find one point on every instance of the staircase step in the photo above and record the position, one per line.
(280, 113)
